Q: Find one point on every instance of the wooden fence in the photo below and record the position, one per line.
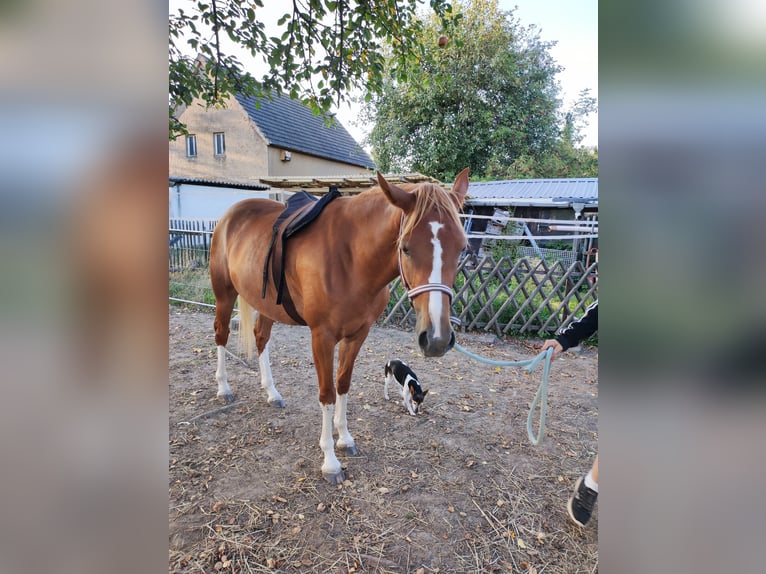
(189, 244)
(523, 295)
(528, 295)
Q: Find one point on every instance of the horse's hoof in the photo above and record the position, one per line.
(227, 398)
(336, 478)
(349, 450)
(279, 403)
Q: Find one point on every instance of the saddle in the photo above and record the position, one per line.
(301, 209)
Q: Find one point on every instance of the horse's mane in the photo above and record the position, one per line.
(430, 196)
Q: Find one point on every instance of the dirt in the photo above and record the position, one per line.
(458, 488)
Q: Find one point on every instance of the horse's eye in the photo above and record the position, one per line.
(406, 250)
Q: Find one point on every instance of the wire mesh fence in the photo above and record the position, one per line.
(550, 255)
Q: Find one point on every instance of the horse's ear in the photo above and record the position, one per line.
(396, 195)
(460, 187)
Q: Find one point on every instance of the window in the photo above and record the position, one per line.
(191, 146)
(219, 143)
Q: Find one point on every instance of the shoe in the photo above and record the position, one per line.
(581, 503)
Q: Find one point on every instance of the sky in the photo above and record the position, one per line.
(572, 24)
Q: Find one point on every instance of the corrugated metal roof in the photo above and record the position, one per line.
(290, 125)
(533, 191)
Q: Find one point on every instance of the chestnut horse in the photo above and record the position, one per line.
(338, 270)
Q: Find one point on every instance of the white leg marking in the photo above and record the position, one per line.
(331, 465)
(389, 378)
(407, 399)
(435, 297)
(267, 379)
(345, 440)
(220, 373)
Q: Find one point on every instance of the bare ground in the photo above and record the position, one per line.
(456, 489)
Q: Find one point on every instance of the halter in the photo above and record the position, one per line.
(420, 289)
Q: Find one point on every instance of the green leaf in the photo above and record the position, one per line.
(314, 48)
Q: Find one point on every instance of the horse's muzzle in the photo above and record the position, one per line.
(435, 346)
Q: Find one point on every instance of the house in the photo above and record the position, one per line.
(251, 139)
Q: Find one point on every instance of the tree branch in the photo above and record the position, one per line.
(341, 5)
(217, 51)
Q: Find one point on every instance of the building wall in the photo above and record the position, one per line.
(246, 158)
(303, 165)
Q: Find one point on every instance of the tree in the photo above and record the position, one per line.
(319, 52)
(486, 100)
(564, 159)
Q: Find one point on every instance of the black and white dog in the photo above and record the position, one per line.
(412, 394)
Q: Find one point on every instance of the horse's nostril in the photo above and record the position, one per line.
(423, 339)
(451, 340)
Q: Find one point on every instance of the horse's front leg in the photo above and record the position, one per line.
(349, 349)
(323, 346)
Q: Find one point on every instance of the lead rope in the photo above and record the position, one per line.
(542, 391)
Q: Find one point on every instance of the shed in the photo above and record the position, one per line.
(565, 199)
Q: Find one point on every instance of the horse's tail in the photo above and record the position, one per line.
(246, 334)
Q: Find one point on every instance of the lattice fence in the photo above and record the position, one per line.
(526, 295)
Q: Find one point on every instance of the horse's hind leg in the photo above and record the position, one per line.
(262, 335)
(225, 297)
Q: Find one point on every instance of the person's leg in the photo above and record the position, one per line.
(591, 479)
(581, 503)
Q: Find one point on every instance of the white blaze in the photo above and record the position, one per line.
(435, 297)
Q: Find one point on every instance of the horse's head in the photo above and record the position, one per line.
(431, 239)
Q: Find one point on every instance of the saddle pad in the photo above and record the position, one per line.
(298, 202)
